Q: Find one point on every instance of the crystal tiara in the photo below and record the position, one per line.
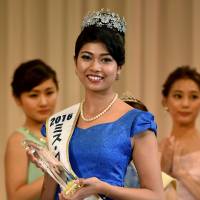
(128, 97)
(104, 18)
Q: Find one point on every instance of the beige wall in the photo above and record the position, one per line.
(161, 35)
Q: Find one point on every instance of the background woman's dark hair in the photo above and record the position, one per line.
(182, 72)
(30, 74)
(113, 40)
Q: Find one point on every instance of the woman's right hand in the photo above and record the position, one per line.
(89, 187)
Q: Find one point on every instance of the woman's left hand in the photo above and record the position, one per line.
(90, 186)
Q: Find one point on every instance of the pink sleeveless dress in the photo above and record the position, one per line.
(191, 163)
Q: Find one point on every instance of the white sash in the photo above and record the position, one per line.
(59, 130)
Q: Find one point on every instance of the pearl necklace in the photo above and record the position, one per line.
(101, 113)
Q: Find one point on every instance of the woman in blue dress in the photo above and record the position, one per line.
(108, 133)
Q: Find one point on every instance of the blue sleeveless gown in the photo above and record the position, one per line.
(104, 150)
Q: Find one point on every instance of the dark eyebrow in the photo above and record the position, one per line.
(46, 89)
(88, 52)
(105, 54)
(178, 91)
(192, 91)
(49, 88)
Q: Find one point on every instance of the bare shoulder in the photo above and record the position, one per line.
(15, 136)
(15, 140)
(122, 107)
(118, 110)
(15, 155)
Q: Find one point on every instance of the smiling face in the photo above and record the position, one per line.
(39, 103)
(183, 101)
(96, 68)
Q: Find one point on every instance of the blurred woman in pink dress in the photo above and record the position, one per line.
(181, 149)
